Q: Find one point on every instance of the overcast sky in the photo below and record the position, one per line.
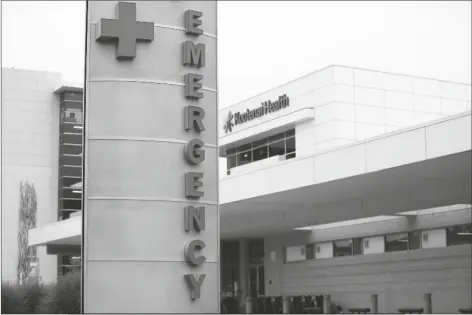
(265, 44)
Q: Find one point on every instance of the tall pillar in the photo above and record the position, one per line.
(428, 306)
(151, 227)
(374, 303)
(326, 303)
(243, 285)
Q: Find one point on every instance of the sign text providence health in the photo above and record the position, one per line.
(194, 217)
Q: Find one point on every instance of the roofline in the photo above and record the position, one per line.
(341, 66)
(68, 88)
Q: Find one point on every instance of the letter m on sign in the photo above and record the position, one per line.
(194, 219)
(193, 55)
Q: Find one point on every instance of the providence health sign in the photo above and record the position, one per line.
(151, 221)
(266, 108)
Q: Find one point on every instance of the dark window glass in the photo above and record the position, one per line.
(357, 246)
(261, 280)
(244, 157)
(396, 242)
(290, 133)
(277, 148)
(276, 137)
(244, 147)
(414, 240)
(231, 151)
(290, 156)
(72, 115)
(260, 153)
(342, 248)
(290, 143)
(459, 235)
(259, 143)
(231, 161)
(310, 251)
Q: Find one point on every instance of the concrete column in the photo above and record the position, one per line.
(151, 224)
(428, 306)
(243, 284)
(248, 305)
(327, 304)
(286, 305)
(374, 303)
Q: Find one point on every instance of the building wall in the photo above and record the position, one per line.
(354, 104)
(400, 278)
(30, 139)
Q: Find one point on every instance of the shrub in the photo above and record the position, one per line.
(64, 297)
(12, 299)
(32, 293)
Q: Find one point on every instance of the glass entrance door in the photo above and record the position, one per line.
(256, 282)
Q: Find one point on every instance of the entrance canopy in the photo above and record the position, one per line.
(417, 168)
(422, 167)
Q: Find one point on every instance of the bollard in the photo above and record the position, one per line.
(327, 304)
(248, 305)
(428, 307)
(374, 303)
(286, 305)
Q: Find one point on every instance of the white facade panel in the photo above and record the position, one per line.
(369, 96)
(370, 79)
(335, 111)
(295, 253)
(443, 138)
(370, 114)
(333, 166)
(427, 104)
(452, 106)
(427, 87)
(399, 83)
(422, 117)
(399, 117)
(365, 131)
(324, 250)
(384, 153)
(373, 245)
(452, 90)
(343, 75)
(30, 139)
(433, 238)
(344, 93)
(398, 100)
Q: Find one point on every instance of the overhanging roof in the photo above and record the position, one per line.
(416, 168)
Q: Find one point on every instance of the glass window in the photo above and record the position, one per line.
(310, 251)
(295, 253)
(414, 240)
(357, 246)
(459, 235)
(244, 157)
(290, 133)
(276, 137)
(259, 143)
(290, 144)
(290, 155)
(261, 149)
(231, 151)
(342, 248)
(277, 148)
(244, 147)
(396, 242)
(231, 161)
(260, 153)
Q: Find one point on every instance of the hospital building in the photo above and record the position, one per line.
(345, 181)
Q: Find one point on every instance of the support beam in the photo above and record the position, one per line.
(243, 286)
(63, 250)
